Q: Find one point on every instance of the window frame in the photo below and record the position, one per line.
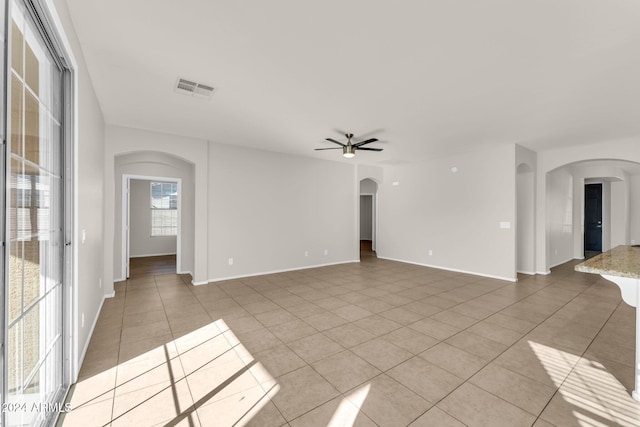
(153, 210)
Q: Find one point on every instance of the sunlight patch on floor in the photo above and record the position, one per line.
(206, 376)
(592, 395)
(349, 408)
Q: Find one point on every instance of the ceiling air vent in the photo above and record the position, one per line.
(199, 90)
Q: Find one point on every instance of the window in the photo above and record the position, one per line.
(164, 209)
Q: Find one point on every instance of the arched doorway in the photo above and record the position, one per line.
(368, 231)
(567, 217)
(147, 167)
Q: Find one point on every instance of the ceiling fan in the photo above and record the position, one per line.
(349, 149)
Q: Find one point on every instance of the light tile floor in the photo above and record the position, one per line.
(376, 343)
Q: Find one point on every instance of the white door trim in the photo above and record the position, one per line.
(126, 186)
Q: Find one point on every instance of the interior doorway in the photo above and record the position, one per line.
(592, 220)
(152, 266)
(368, 218)
(151, 232)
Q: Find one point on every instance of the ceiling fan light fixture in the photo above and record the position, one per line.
(348, 151)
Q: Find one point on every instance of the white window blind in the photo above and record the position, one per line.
(164, 209)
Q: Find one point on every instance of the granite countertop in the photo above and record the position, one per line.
(621, 261)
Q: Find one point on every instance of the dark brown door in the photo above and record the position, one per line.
(593, 217)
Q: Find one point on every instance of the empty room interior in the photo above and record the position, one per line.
(320, 213)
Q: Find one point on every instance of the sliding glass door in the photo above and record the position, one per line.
(35, 370)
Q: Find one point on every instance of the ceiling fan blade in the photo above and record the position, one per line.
(334, 141)
(370, 149)
(368, 141)
(332, 148)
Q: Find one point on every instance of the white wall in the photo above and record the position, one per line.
(619, 213)
(606, 216)
(374, 173)
(456, 215)
(634, 210)
(525, 230)
(156, 164)
(89, 265)
(578, 213)
(140, 241)
(560, 216)
(266, 209)
(366, 218)
(260, 208)
(526, 166)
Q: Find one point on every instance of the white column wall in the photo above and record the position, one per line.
(457, 215)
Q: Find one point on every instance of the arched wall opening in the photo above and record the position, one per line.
(368, 218)
(525, 219)
(566, 223)
(153, 166)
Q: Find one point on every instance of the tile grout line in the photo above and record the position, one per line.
(509, 347)
(377, 337)
(233, 347)
(402, 325)
(580, 358)
(378, 314)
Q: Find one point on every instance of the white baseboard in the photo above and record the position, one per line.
(148, 255)
(86, 345)
(118, 280)
(530, 273)
(562, 262)
(491, 276)
(544, 273)
(110, 294)
(185, 272)
(242, 276)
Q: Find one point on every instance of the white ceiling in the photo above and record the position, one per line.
(427, 77)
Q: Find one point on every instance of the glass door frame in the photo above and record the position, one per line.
(49, 25)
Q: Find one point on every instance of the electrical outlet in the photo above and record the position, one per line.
(430, 252)
(230, 261)
(306, 253)
(326, 251)
(82, 320)
(555, 251)
(100, 283)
